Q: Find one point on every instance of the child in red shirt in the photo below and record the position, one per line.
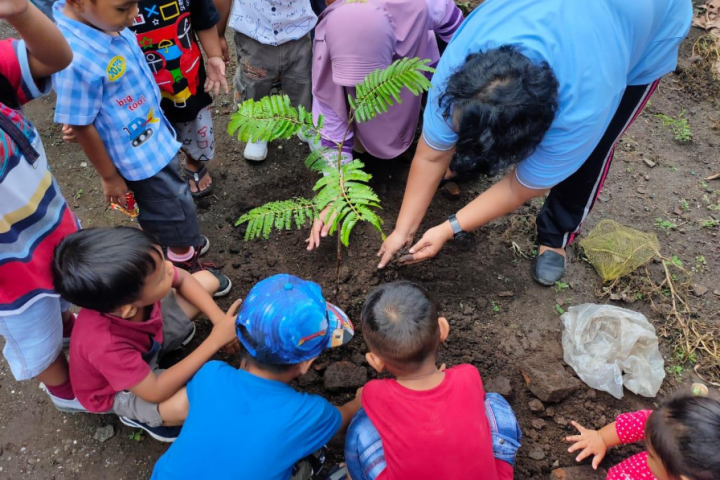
(682, 438)
(426, 423)
(136, 307)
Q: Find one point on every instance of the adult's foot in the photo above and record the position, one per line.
(203, 182)
(548, 266)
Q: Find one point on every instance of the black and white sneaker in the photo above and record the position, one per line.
(204, 246)
(225, 283)
(161, 434)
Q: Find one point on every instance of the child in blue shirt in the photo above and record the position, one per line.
(249, 423)
(109, 97)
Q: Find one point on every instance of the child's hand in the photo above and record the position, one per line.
(224, 331)
(215, 76)
(225, 51)
(114, 189)
(590, 442)
(68, 134)
(10, 8)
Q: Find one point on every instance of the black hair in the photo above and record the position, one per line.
(503, 105)
(400, 323)
(269, 367)
(684, 433)
(103, 269)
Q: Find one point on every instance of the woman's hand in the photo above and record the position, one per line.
(320, 228)
(393, 244)
(429, 245)
(590, 442)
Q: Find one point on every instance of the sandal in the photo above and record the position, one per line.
(196, 177)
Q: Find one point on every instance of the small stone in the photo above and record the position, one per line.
(649, 162)
(699, 290)
(468, 309)
(499, 385)
(547, 379)
(271, 261)
(647, 178)
(506, 294)
(451, 191)
(562, 421)
(583, 472)
(536, 453)
(344, 375)
(560, 301)
(83, 164)
(308, 379)
(604, 197)
(105, 433)
(536, 405)
(550, 411)
(642, 190)
(538, 424)
(235, 266)
(556, 464)
(716, 292)
(678, 211)
(234, 251)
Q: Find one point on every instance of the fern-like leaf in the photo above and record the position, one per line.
(381, 89)
(278, 215)
(271, 118)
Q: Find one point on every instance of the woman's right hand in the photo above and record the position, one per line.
(395, 242)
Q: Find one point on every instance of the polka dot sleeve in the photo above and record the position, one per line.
(630, 427)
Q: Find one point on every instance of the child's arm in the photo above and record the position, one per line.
(191, 290)
(158, 388)
(349, 410)
(224, 7)
(113, 185)
(210, 42)
(48, 51)
(593, 442)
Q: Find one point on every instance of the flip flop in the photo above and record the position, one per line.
(196, 177)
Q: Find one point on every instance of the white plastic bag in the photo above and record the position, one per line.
(603, 341)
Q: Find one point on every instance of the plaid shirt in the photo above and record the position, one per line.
(110, 86)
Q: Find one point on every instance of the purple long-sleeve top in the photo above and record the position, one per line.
(355, 37)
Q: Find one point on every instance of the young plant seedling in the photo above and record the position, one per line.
(679, 126)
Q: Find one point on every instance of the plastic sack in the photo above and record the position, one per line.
(609, 347)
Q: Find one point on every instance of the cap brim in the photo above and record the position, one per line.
(340, 328)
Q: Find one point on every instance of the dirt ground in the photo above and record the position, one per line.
(498, 315)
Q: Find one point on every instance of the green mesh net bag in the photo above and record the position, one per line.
(615, 250)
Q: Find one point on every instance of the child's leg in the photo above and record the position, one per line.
(167, 210)
(364, 454)
(296, 70)
(174, 410)
(506, 433)
(198, 144)
(209, 282)
(258, 65)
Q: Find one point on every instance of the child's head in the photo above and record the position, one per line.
(683, 439)
(285, 324)
(401, 327)
(110, 16)
(111, 270)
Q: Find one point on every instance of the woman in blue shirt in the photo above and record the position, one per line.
(548, 88)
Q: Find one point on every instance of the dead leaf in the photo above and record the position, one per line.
(713, 177)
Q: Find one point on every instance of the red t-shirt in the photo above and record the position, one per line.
(435, 434)
(106, 355)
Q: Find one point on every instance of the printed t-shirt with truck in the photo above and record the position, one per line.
(109, 85)
(165, 31)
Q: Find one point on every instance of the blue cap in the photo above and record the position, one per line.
(286, 320)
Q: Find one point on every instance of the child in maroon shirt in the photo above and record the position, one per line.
(427, 423)
(682, 438)
(136, 306)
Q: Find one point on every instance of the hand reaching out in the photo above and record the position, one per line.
(215, 76)
(590, 442)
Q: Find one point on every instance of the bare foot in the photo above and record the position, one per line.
(449, 174)
(544, 248)
(194, 166)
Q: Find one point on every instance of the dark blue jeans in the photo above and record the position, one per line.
(365, 457)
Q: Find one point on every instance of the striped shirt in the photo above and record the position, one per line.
(110, 86)
(34, 216)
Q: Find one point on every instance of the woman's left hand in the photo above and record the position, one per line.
(429, 245)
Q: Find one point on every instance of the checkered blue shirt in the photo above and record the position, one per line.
(109, 85)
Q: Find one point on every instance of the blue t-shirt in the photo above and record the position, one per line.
(245, 427)
(595, 48)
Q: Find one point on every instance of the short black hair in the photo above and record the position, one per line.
(103, 269)
(504, 104)
(684, 433)
(273, 368)
(400, 323)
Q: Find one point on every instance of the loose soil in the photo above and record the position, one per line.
(498, 315)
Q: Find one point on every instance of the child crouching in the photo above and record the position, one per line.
(426, 423)
(136, 307)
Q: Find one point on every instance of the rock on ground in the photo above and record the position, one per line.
(499, 385)
(344, 375)
(104, 433)
(582, 472)
(547, 379)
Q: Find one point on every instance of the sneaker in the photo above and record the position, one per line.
(204, 245)
(548, 268)
(225, 283)
(309, 139)
(64, 405)
(161, 434)
(256, 151)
